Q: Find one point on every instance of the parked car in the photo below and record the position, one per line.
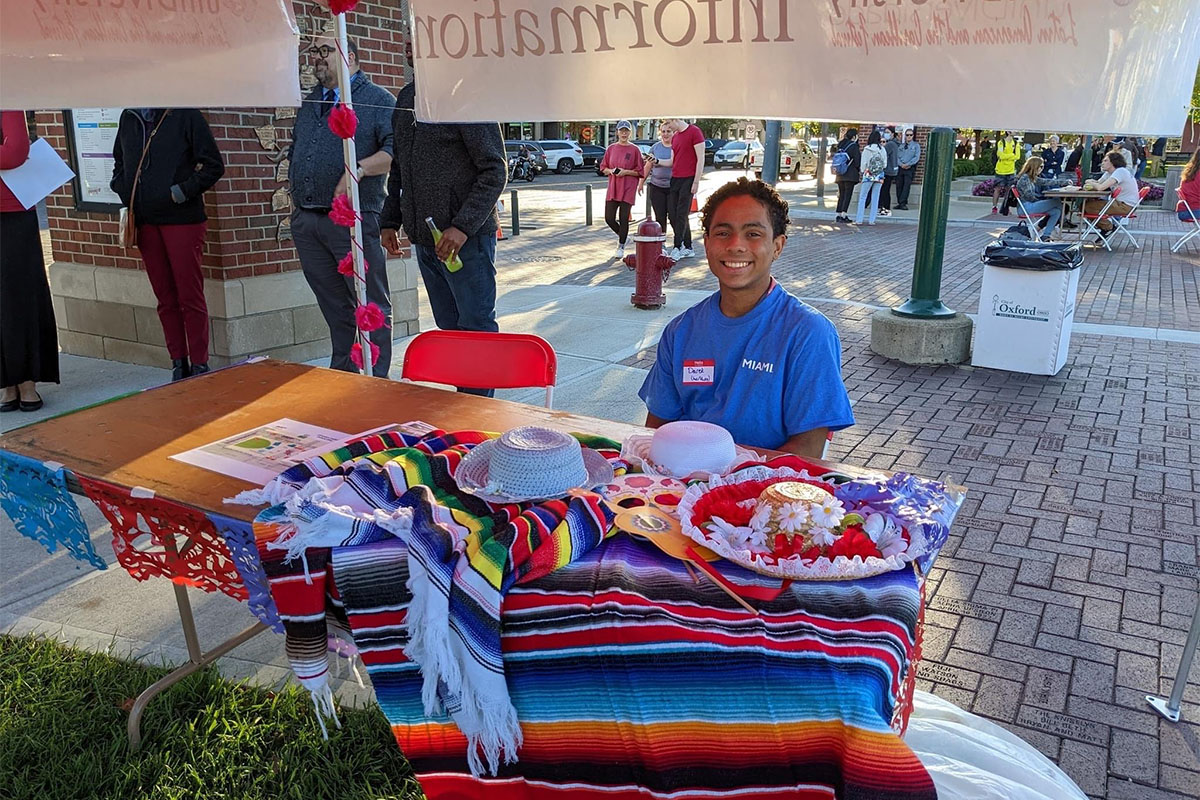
(711, 146)
(562, 155)
(736, 154)
(592, 153)
(511, 146)
(796, 158)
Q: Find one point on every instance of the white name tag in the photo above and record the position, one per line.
(698, 371)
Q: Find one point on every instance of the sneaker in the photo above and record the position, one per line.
(902, 207)
(687, 252)
(885, 212)
(675, 254)
(870, 223)
(620, 253)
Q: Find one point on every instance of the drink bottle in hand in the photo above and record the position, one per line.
(454, 264)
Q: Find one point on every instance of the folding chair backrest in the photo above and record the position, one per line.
(482, 360)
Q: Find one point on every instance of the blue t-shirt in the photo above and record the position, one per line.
(765, 376)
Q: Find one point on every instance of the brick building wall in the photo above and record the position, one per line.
(258, 299)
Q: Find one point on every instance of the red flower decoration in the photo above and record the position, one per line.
(369, 318)
(342, 6)
(343, 121)
(342, 213)
(853, 542)
(346, 265)
(357, 358)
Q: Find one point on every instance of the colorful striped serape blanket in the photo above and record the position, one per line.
(465, 555)
(627, 677)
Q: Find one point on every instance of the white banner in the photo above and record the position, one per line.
(148, 53)
(1094, 66)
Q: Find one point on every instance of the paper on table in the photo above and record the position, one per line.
(260, 454)
(42, 173)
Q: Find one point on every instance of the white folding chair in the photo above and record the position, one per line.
(1195, 230)
(1120, 221)
(1031, 220)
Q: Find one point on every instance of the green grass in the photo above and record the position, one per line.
(62, 735)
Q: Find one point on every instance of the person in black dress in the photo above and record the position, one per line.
(28, 335)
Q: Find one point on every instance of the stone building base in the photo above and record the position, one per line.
(108, 312)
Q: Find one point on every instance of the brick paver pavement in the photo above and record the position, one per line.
(1064, 594)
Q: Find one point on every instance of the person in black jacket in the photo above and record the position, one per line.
(452, 174)
(179, 161)
(850, 178)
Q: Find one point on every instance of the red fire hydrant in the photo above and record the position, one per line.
(652, 265)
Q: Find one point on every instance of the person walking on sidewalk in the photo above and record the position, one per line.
(657, 176)
(849, 176)
(623, 164)
(318, 174)
(872, 165)
(453, 174)
(164, 160)
(1007, 153)
(687, 167)
(907, 156)
(28, 334)
(892, 148)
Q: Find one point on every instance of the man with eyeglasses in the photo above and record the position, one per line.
(907, 156)
(317, 173)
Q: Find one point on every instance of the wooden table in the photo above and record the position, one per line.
(128, 443)
(1067, 195)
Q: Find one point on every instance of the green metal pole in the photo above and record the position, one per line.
(925, 300)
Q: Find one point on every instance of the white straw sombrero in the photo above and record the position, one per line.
(530, 463)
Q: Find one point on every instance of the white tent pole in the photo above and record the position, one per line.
(350, 155)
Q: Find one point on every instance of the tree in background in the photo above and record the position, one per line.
(715, 127)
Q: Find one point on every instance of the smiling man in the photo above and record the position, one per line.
(750, 358)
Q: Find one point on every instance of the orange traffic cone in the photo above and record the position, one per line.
(695, 205)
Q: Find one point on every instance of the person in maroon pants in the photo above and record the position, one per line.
(166, 159)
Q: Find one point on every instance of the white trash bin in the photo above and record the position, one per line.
(1025, 317)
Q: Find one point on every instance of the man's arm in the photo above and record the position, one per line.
(809, 444)
(699, 166)
(485, 146)
(655, 422)
(391, 218)
(375, 164)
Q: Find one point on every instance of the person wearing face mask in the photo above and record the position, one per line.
(891, 147)
(907, 156)
(760, 363)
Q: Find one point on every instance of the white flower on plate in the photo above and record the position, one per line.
(886, 535)
(737, 536)
(828, 514)
(761, 518)
(793, 517)
(823, 537)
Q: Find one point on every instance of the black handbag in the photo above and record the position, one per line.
(1014, 253)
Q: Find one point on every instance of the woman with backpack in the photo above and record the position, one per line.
(873, 167)
(846, 168)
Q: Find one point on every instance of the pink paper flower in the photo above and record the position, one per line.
(356, 354)
(343, 121)
(369, 318)
(342, 6)
(346, 265)
(342, 212)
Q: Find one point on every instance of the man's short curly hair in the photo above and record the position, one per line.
(777, 207)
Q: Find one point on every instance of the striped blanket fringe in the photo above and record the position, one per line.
(464, 555)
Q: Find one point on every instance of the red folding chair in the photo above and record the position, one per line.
(1195, 230)
(1118, 220)
(1031, 220)
(482, 360)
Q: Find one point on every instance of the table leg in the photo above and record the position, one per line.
(197, 658)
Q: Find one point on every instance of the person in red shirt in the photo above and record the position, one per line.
(1189, 190)
(687, 166)
(622, 163)
(28, 334)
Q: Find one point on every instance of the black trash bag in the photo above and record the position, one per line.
(1015, 253)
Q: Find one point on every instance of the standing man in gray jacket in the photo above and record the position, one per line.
(453, 174)
(907, 157)
(317, 173)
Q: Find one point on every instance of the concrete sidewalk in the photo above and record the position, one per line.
(1064, 594)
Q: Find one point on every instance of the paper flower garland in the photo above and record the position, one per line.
(356, 354)
(369, 318)
(346, 265)
(342, 6)
(343, 121)
(342, 213)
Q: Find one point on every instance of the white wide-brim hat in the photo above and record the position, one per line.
(529, 464)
